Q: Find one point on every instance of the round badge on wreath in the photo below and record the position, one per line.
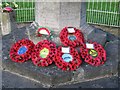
(67, 58)
(71, 36)
(44, 53)
(21, 50)
(94, 54)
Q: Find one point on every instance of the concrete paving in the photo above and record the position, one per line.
(10, 80)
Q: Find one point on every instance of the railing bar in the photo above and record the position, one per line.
(92, 12)
(102, 24)
(102, 11)
(88, 6)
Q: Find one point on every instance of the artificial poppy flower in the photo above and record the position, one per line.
(71, 36)
(43, 31)
(94, 57)
(67, 61)
(44, 53)
(7, 9)
(21, 50)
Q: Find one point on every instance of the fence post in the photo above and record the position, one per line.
(8, 23)
(1, 47)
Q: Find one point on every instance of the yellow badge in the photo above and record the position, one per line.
(44, 52)
(93, 53)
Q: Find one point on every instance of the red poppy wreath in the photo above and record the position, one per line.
(71, 36)
(44, 53)
(67, 61)
(43, 31)
(21, 50)
(94, 57)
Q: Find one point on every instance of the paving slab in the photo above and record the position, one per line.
(109, 82)
(10, 80)
(51, 75)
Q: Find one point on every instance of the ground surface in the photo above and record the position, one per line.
(14, 81)
(112, 30)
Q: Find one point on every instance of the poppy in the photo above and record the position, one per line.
(69, 38)
(67, 61)
(21, 50)
(94, 57)
(44, 53)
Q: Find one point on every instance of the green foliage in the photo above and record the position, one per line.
(10, 4)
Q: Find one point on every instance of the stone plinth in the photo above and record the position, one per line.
(52, 75)
(6, 28)
(58, 15)
(8, 22)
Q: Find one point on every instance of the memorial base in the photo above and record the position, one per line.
(53, 76)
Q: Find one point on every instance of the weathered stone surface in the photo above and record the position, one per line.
(6, 28)
(19, 34)
(99, 37)
(110, 37)
(51, 75)
(112, 48)
(57, 41)
(110, 66)
(87, 30)
(8, 23)
(31, 32)
(69, 14)
(78, 74)
(7, 41)
(36, 39)
(10, 80)
(58, 14)
(13, 22)
(109, 82)
(47, 75)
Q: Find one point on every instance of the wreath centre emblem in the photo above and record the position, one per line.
(44, 52)
(72, 37)
(93, 53)
(67, 57)
(22, 50)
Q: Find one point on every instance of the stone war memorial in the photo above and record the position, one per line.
(59, 47)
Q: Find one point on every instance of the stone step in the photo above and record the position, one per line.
(97, 36)
(12, 80)
(53, 76)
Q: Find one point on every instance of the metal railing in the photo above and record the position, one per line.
(103, 13)
(25, 11)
